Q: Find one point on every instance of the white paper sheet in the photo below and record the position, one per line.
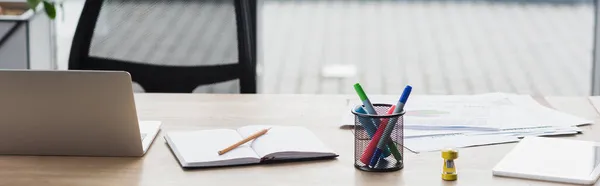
(436, 143)
(477, 112)
(469, 139)
(435, 122)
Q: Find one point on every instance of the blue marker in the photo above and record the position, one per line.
(390, 126)
(371, 129)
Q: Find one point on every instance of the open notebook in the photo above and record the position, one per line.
(285, 143)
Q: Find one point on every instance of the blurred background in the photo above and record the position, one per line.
(538, 47)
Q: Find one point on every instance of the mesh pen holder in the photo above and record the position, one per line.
(366, 141)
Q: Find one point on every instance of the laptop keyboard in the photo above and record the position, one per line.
(143, 136)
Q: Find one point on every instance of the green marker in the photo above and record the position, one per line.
(365, 100)
(370, 110)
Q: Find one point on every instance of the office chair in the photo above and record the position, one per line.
(169, 46)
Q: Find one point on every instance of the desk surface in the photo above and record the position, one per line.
(320, 113)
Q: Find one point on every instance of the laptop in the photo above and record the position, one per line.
(71, 113)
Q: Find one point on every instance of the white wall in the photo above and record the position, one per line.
(66, 22)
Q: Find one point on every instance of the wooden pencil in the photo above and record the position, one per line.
(253, 136)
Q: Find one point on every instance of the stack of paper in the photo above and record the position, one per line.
(433, 123)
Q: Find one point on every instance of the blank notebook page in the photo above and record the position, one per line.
(203, 146)
(284, 139)
(551, 157)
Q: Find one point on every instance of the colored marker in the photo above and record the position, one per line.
(368, 153)
(390, 126)
(366, 102)
(366, 122)
(371, 130)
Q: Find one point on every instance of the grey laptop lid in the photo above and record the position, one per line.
(81, 113)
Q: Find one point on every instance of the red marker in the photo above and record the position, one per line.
(368, 153)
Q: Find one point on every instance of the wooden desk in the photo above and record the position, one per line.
(318, 113)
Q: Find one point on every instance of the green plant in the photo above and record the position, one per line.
(48, 6)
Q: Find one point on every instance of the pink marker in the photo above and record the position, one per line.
(368, 153)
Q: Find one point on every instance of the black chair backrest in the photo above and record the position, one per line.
(169, 45)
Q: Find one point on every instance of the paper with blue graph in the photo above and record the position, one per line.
(435, 122)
